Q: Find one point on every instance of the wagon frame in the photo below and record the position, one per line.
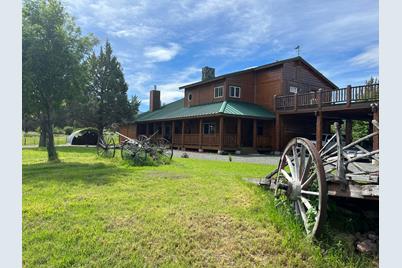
(305, 177)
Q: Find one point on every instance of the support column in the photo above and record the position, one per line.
(238, 136)
(255, 133)
(182, 135)
(318, 130)
(348, 131)
(200, 137)
(163, 129)
(376, 138)
(221, 130)
(147, 129)
(172, 133)
(278, 126)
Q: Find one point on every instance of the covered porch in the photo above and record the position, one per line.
(220, 133)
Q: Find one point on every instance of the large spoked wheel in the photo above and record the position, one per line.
(165, 148)
(106, 147)
(132, 151)
(301, 179)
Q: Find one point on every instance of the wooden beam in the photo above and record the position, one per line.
(318, 130)
(376, 140)
(182, 134)
(221, 133)
(348, 131)
(172, 132)
(163, 129)
(278, 132)
(348, 95)
(147, 129)
(255, 133)
(238, 137)
(200, 134)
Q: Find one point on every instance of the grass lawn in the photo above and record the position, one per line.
(92, 212)
(33, 139)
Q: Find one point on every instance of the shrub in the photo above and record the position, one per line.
(149, 161)
(68, 130)
(58, 130)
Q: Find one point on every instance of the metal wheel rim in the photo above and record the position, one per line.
(307, 192)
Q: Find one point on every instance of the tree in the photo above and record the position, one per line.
(361, 128)
(53, 50)
(134, 106)
(107, 100)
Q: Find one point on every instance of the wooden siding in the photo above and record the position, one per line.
(299, 75)
(203, 94)
(268, 84)
(246, 82)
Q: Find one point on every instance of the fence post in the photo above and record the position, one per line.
(348, 95)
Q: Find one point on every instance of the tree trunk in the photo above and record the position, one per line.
(43, 134)
(100, 131)
(51, 149)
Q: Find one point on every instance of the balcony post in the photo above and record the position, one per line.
(295, 102)
(274, 106)
(318, 130)
(172, 132)
(319, 98)
(348, 131)
(163, 129)
(200, 137)
(348, 95)
(147, 129)
(376, 116)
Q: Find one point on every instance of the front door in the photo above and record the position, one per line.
(247, 133)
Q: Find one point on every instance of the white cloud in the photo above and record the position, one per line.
(159, 53)
(368, 58)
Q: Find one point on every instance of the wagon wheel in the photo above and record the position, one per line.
(106, 147)
(130, 150)
(301, 179)
(165, 148)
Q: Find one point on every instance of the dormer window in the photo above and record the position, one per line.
(218, 92)
(234, 92)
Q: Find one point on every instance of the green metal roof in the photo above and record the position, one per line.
(177, 110)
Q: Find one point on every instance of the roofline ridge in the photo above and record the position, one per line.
(223, 107)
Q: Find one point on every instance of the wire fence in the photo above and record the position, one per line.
(32, 138)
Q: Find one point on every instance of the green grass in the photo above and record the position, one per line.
(92, 212)
(32, 138)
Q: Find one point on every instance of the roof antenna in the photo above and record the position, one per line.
(298, 50)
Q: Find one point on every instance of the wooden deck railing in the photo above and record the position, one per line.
(191, 139)
(323, 98)
(230, 140)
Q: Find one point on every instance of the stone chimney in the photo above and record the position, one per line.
(207, 73)
(154, 99)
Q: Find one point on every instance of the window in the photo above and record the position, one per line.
(209, 128)
(234, 92)
(218, 92)
(190, 96)
(293, 89)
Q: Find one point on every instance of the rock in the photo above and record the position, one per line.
(366, 246)
(372, 236)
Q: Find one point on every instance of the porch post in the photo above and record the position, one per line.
(318, 130)
(277, 133)
(147, 129)
(182, 135)
(348, 131)
(238, 142)
(172, 133)
(200, 137)
(220, 151)
(163, 129)
(255, 133)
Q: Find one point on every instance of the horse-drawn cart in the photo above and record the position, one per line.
(139, 148)
(305, 177)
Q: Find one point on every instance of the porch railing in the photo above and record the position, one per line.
(323, 98)
(264, 141)
(230, 140)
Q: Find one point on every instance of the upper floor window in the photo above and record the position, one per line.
(234, 92)
(190, 96)
(218, 92)
(293, 89)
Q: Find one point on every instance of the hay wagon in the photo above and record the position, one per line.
(305, 177)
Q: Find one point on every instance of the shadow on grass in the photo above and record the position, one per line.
(71, 172)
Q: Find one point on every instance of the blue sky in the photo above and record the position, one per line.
(166, 43)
